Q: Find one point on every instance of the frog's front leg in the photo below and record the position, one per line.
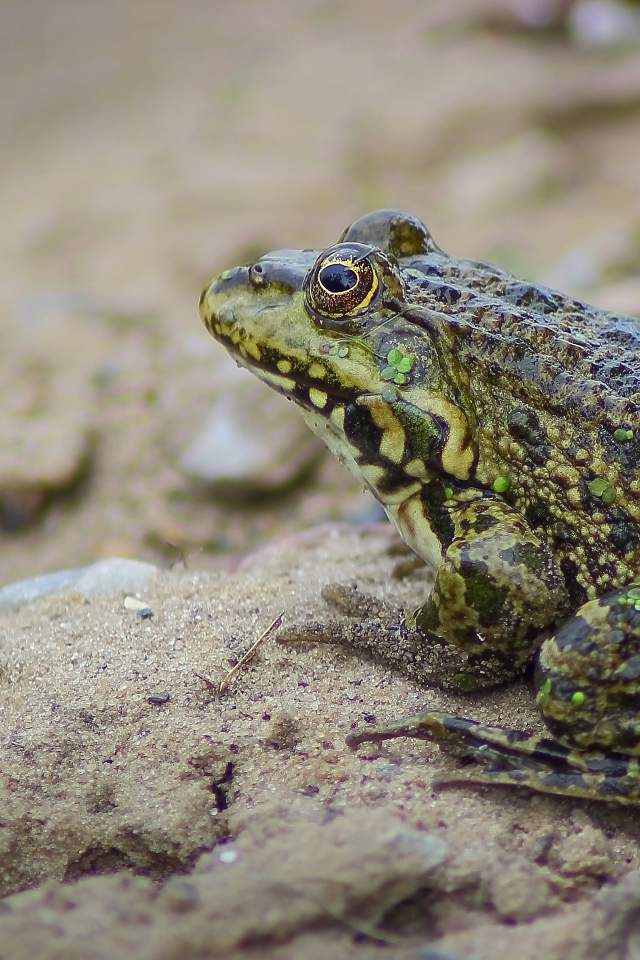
(496, 588)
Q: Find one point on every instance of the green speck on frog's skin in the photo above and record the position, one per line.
(501, 484)
(339, 350)
(578, 698)
(398, 367)
(604, 490)
(621, 435)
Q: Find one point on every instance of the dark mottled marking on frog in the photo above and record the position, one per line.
(618, 787)
(443, 292)
(438, 517)
(565, 781)
(538, 514)
(593, 557)
(570, 570)
(575, 635)
(518, 776)
(394, 478)
(623, 330)
(301, 394)
(628, 739)
(426, 435)
(361, 430)
(482, 593)
(516, 736)
(431, 265)
(624, 536)
(611, 766)
(485, 522)
(527, 555)
(523, 424)
(564, 687)
(618, 375)
(568, 728)
(561, 531)
(546, 747)
(542, 299)
(631, 669)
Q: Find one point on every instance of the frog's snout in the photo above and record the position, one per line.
(229, 279)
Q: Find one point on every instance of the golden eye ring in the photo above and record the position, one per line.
(343, 282)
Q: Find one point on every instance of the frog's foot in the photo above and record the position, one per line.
(515, 758)
(368, 625)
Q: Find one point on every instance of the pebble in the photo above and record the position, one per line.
(135, 603)
(113, 575)
(158, 699)
(47, 362)
(252, 442)
(603, 23)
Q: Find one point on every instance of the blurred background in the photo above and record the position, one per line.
(146, 145)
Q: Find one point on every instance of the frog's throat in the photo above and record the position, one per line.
(402, 503)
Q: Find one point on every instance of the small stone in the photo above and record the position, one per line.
(114, 575)
(253, 442)
(134, 603)
(48, 363)
(603, 23)
(16, 595)
(228, 855)
(158, 699)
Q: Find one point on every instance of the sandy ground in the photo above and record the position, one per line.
(145, 146)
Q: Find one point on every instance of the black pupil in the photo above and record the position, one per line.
(336, 278)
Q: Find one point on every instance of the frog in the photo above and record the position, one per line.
(497, 422)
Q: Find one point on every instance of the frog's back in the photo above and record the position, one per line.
(553, 387)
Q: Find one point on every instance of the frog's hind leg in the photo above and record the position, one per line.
(587, 676)
(515, 758)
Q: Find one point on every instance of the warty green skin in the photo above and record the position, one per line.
(498, 423)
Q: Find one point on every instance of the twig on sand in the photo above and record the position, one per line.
(224, 683)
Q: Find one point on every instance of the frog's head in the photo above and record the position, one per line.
(333, 331)
(310, 322)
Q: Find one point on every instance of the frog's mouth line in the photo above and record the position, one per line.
(294, 383)
(304, 390)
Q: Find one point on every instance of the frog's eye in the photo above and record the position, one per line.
(342, 283)
(337, 278)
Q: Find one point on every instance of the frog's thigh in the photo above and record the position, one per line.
(497, 588)
(588, 675)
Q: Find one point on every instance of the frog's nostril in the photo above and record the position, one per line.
(257, 268)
